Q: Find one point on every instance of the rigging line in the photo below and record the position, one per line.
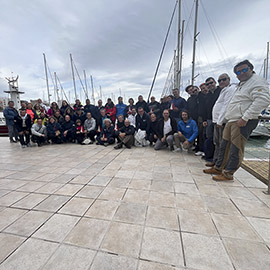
(62, 89)
(80, 79)
(54, 86)
(162, 51)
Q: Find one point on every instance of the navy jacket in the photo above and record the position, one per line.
(92, 109)
(68, 126)
(193, 107)
(181, 104)
(143, 123)
(154, 108)
(142, 104)
(130, 130)
(211, 99)
(19, 122)
(51, 128)
(108, 132)
(82, 117)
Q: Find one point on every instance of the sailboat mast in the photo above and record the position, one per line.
(73, 77)
(266, 62)
(93, 93)
(47, 81)
(194, 42)
(178, 45)
(56, 89)
(181, 54)
(86, 90)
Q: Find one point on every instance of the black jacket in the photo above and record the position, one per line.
(161, 127)
(129, 108)
(154, 108)
(60, 119)
(69, 126)
(92, 109)
(142, 104)
(164, 106)
(130, 130)
(108, 132)
(51, 128)
(143, 122)
(154, 127)
(75, 117)
(193, 107)
(19, 122)
(211, 99)
(202, 112)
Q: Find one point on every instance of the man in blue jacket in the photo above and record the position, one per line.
(10, 113)
(120, 107)
(177, 105)
(187, 132)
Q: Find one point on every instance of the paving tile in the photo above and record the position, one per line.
(239, 193)
(123, 238)
(186, 188)
(3, 192)
(91, 192)
(31, 186)
(162, 186)
(136, 196)
(196, 222)
(76, 206)
(162, 199)
(119, 182)
(140, 184)
(262, 226)
(105, 261)
(212, 191)
(252, 208)
(69, 257)
(48, 177)
(88, 233)
(12, 198)
(56, 228)
(64, 178)
(190, 202)
(102, 209)
(162, 246)
(30, 201)
(248, 255)
(81, 179)
(32, 254)
(131, 213)
(68, 189)
(53, 203)
(205, 252)
(49, 188)
(10, 184)
(8, 243)
(28, 223)
(100, 180)
(162, 217)
(112, 194)
(234, 227)
(259, 193)
(145, 265)
(9, 215)
(125, 174)
(221, 205)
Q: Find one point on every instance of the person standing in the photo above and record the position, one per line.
(120, 107)
(10, 113)
(141, 103)
(154, 107)
(177, 105)
(23, 126)
(251, 97)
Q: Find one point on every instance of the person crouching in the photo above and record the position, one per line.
(80, 132)
(126, 135)
(54, 131)
(39, 132)
(106, 136)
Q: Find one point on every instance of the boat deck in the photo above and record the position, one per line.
(93, 207)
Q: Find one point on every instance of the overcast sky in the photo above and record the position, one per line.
(118, 42)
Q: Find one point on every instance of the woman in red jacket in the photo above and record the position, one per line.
(110, 110)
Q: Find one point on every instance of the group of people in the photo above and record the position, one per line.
(214, 122)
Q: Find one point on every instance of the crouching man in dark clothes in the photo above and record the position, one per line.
(153, 132)
(39, 132)
(106, 136)
(68, 128)
(54, 131)
(23, 126)
(126, 135)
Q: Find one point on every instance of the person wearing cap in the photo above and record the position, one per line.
(251, 97)
(106, 136)
(120, 107)
(23, 126)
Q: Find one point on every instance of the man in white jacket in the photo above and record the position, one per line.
(39, 133)
(251, 97)
(218, 113)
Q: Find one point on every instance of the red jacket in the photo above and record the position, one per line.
(111, 112)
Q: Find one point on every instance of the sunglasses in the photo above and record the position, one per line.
(222, 80)
(209, 83)
(244, 70)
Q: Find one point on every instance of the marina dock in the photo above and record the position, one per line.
(92, 207)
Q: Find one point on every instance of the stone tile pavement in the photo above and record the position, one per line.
(93, 207)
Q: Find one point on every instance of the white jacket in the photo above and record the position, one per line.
(132, 119)
(250, 99)
(38, 130)
(219, 109)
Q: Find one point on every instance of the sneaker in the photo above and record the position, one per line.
(177, 150)
(199, 153)
(118, 146)
(212, 171)
(29, 145)
(222, 177)
(23, 146)
(105, 144)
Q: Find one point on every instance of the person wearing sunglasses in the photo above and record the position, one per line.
(218, 113)
(211, 98)
(251, 97)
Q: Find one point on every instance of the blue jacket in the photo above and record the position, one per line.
(10, 114)
(189, 129)
(120, 109)
(181, 104)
